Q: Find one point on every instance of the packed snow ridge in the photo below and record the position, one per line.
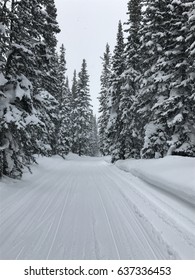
(88, 208)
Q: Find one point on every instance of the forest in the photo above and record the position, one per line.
(39, 113)
(147, 97)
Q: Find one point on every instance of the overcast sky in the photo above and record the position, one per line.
(86, 27)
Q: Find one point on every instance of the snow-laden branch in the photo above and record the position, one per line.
(5, 145)
(171, 150)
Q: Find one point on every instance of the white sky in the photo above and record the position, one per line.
(86, 27)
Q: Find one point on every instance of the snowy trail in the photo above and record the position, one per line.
(89, 209)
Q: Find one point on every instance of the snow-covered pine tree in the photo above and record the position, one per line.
(4, 37)
(179, 106)
(104, 102)
(155, 36)
(17, 111)
(27, 54)
(47, 83)
(93, 140)
(3, 49)
(46, 107)
(173, 112)
(63, 127)
(74, 84)
(190, 45)
(48, 30)
(82, 113)
(115, 124)
(130, 134)
(74, 112)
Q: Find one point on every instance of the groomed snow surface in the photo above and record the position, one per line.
(88, 208)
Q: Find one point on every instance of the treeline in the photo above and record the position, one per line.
(39, 113)
(147, 98)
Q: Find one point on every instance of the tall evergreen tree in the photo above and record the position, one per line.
(17, 112)
(190, 46)
(172, 110)
(65, 102)
(74, 111)
(82, 114)
(25, 106)
(116, 148)
(155, 36)
(93, 138)
(179, 106)
(104, 102)
(74, 84)
(129, 139)
(49, 29)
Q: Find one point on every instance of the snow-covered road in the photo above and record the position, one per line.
(89, 209)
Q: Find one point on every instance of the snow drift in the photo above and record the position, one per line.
(174, 174)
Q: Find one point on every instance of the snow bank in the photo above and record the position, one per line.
(107, 159)
(174, 174)
(72, 156)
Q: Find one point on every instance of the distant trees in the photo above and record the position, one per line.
(64, 111)
(93, 138)
(82, 112)
(152, 111)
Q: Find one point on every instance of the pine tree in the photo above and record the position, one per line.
(63, 127)
(18, 114)
(190, 54)
(4, 38)
(74, 111)
(48, 30)
(116, 148)
(155, 36)
(179, 106)
(27, 110)
(74, 84)
(82, 113)
(93, 139)
(172, 109)
(129, 139)
(104, 101)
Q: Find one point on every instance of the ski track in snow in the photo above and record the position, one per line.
(89, 209)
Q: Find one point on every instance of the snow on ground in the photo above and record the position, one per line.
(174, 174)
(87, 208)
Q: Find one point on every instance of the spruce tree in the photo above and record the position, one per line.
(155, 36)
(74, 85)
(129, 142)
(27, 110)
(190, 54)
(74, 111)
(94, 139)
(46, 55)
(82, 113)
(172, 109)
(18, 117)
(116, 148)
(63, 127)
(104, 102)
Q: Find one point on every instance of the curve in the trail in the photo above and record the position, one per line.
(89, 209)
